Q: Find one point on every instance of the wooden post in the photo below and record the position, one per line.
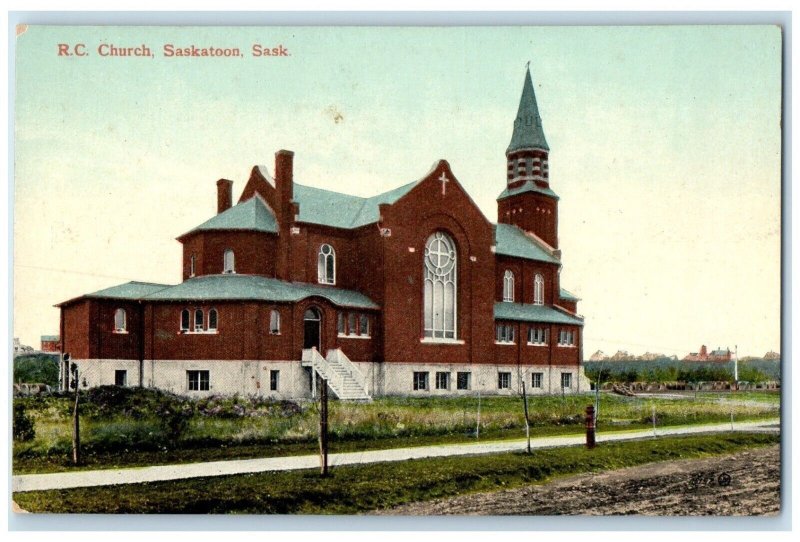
(590, 437)
(527, 423)
(323, 427)
(478, 425)
(76, 425)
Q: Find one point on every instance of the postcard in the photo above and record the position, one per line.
(509, 270)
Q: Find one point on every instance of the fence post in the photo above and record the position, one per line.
(653, 416)
(527, 424)
(590, 428)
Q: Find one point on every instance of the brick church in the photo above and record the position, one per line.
(410, 292)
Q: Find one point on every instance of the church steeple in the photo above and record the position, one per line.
(528, 202)
(528, 133)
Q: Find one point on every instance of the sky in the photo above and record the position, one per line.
(665, 152)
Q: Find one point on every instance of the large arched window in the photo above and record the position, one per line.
(508, 286)
(120, 321)
(228, 262)
(538, 290)
(440, 291)
(212, 320)
(326, 265)
(198, 320)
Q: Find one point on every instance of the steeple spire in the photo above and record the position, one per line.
(528, 133)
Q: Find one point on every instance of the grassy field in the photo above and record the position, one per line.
(143, 428)
(363, 488)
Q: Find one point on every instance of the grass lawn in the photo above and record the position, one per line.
(355, 489)
(134, 438)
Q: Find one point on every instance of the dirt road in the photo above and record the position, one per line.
(746, 483)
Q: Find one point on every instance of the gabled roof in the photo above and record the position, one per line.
(328, 208)
(564, 294)
(231, 287)
(512, 241)
(528, 132)
(525, 312)
(528, 186)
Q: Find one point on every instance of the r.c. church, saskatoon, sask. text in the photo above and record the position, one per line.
(168, 50)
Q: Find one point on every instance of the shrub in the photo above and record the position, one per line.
(23, 424)
(36, 368)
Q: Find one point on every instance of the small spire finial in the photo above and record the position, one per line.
(528, 65)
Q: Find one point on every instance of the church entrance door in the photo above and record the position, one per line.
(312, 320)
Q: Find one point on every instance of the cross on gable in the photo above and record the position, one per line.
(444, 180)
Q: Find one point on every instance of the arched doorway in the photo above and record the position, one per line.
(312, 323)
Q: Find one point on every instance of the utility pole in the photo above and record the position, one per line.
(527, 423)
(323, 427)
(736, 367)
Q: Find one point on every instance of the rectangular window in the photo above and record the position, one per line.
(566, 380)
(503, 381)
(351, 324)
(340, 329)
(537, 335)
(505, 333)
(198, 380)
(442, 381)
(420, 380)
(566, 338)
(536, 380)
(463, 381)
(273, 380)
(120, 378)
(363, 329)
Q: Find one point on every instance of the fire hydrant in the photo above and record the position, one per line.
(590, 442)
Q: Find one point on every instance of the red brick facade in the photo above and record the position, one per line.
(383, 259)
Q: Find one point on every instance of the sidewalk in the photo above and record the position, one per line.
(65, 480)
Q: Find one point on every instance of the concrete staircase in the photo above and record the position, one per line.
(344, 378)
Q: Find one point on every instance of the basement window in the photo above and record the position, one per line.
(503, 381)
(442, 381)
(463, 381)
(420, 380)
(198, 380)
(536, 380)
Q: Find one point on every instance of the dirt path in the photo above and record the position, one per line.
(746, 483)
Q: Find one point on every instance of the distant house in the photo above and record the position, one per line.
(718, 355)
(51, 343)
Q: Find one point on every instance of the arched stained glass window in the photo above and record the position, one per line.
(326, 265)
(508, 286)
(440, 287)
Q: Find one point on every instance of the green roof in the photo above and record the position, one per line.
(533, 313)
(129, 290)
(49, 337)
(564, 294)
(251, 287)
(528, 186)
(328, 208)
(512, 241)
(251, 215)
(528, 132)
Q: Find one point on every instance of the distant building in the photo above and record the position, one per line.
(20, 348)
(598, 356)
(51, 343)
(772, 356)
(717, 355)
(622, 355)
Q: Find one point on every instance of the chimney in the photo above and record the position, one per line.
(224, 195)
(284, 163)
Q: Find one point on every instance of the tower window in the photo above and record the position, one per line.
(192, 261)
(508, 286)
(326, 265)
(439, 291)
(120, 321)
(538, 290)
(185, 320)
(212, 320)
(228, 262)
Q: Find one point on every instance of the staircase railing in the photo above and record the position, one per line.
(319, 365)
(336, 356)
